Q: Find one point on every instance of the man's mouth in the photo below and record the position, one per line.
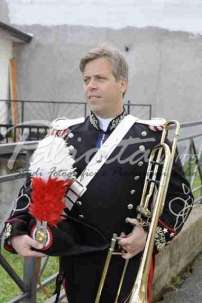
(94, 97)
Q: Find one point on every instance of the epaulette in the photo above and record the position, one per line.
(60, 126)
(155, 124)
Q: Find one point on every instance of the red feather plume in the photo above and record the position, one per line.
(48, 199)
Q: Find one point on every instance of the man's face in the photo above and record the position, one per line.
(103, 92)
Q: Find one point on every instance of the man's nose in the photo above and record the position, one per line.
(92, 84)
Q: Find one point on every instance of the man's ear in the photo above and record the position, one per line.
(123, 86)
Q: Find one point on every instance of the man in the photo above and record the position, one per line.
(109, 204)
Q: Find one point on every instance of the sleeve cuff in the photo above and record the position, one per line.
(11, 229)
(164, 234)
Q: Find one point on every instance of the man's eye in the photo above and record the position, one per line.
(86, 80)
(101, 78)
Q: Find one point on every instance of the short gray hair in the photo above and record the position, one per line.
(119, 64)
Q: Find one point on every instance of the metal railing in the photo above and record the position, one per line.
(22, 132)
(190, 144)
(190, 151)
(32, 109)
(40, 113)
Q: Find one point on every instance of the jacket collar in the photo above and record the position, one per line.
(113, 123)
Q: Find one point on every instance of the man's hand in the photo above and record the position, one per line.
(133, 243)
(24, 244)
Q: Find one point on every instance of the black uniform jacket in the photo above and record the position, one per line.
(111, 197)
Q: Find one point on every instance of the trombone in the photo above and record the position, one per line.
(155, 190)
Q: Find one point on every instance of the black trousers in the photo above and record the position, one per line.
(83, 273)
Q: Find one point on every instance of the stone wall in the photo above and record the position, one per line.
(165, 67)
(174, 258)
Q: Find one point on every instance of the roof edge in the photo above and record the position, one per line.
(16, 32)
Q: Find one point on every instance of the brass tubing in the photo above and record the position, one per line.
(139, 291)
(106, 266)
(121, 280)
